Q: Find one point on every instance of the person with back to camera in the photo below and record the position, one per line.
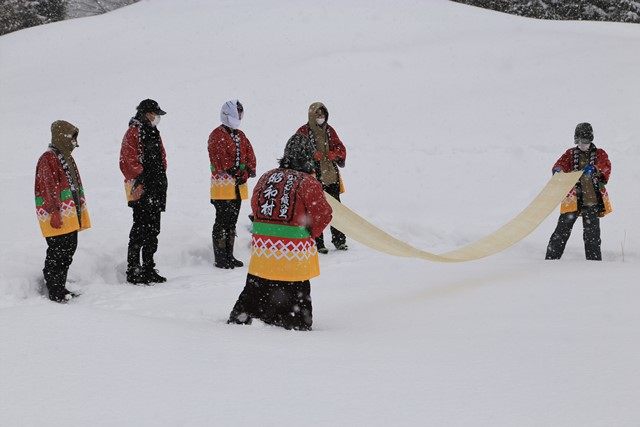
(289, 212)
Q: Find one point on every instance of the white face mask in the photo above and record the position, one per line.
(584, 146)
(320, 121)
(156, 120)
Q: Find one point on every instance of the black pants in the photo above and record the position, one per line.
(337, 237)
(285, 304)
(227, 212)
(590, 235)
(59, 257)
(144, 236)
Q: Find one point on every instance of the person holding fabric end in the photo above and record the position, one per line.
(290, 211)
(330, 154)
(233, 162)
(589, 197)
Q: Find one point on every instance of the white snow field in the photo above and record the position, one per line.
(452, 117)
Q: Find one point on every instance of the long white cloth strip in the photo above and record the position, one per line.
(361, 230)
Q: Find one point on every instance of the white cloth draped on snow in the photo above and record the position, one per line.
(360, 230)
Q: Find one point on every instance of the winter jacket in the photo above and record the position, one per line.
(55, 191)
(330, 148)
(289, 211)
(143, 160)
(232, 162)
(571, 161)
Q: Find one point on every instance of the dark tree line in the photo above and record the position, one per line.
(18, 14)
(79, 8)
(579, 10)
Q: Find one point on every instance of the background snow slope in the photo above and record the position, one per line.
(452, 117)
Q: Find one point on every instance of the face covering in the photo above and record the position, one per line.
(156, 120)
(584, 146)
(320, 121)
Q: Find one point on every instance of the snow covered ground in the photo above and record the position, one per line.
(452, 117)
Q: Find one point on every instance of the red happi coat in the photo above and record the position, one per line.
(53, 193)
(225, 160)
(336, 147)
(131, 156)
(603, 165)
(337, 150)
(290, 211)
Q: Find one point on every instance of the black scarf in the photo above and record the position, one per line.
(154, 175)
(72, 177)
(595, 179)
(236, 139)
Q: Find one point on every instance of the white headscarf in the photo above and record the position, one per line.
(229, 115)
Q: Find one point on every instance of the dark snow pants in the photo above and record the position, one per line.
(227, 212)
(59, 257)
(590, 235)
(337, 237)
(278, 303)
(143, 236)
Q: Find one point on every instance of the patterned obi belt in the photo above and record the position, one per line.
(283, 252)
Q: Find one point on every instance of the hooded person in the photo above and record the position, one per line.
(588, 198)
(60, 207)
(232, 163)
(330, 154)
(290, 212)
(143, 162)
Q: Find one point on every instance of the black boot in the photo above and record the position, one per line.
(220, 254)
(61, 294)
(137, 276)
(239, 319)
(320, 245)
(153, 276)
(231, 239)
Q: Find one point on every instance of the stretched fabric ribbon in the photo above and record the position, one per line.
(361, 230)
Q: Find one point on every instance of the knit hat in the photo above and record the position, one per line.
(231, 113)
(150, 106)
(298, 154)
(583, 131)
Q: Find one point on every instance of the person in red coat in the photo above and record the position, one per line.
(60, 207)
(289, 213)
(330, 154)
(589, 197)
(143, 162)
(232, 164)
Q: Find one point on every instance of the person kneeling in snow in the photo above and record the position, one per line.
(60, 207)
(290, 212)
(588, 198)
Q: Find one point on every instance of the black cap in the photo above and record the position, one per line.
(584, 131)
(150, 106)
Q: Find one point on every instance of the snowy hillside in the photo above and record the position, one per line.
(452, 117)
